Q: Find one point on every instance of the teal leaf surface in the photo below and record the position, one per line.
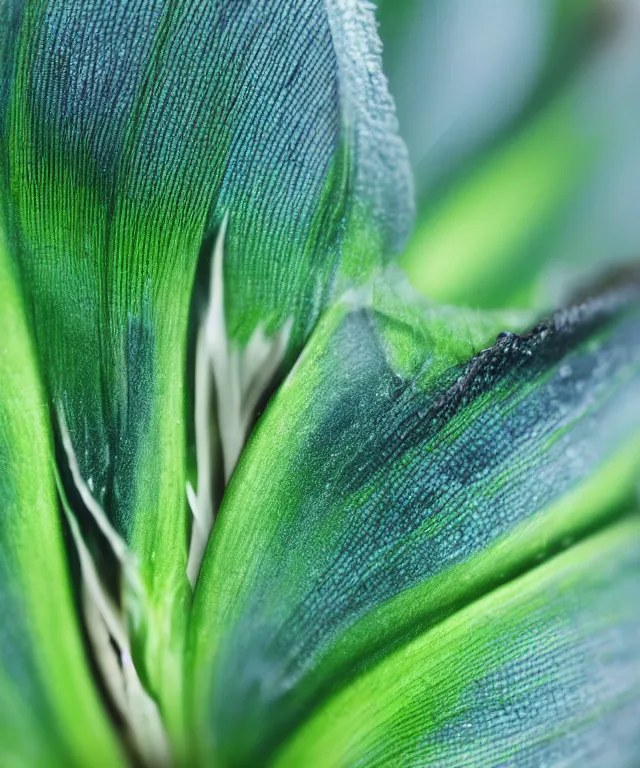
(406, 467)
(543, 671)
(128, 131)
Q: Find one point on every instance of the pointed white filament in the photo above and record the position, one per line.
(234, 379)
(107, 627)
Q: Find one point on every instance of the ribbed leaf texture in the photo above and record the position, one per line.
(399, 475)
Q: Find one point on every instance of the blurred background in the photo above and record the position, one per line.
(522, 119)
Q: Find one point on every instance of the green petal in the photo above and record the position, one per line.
(543, 671)
(129, 131)
(50, 710)
(399, 473)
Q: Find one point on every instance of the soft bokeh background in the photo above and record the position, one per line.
(522, 119)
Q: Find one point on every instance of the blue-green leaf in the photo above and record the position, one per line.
(543, 671)
(406, 467)
(128, 131)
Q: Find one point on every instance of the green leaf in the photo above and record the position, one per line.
(548, 203)
(508, 206)
(465, 75)
(128, 132)
(543, 671)
(405, 468)
(50, 709)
